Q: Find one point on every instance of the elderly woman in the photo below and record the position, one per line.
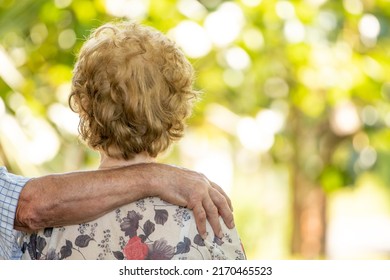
(133, 90)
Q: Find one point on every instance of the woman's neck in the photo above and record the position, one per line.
(109, 162)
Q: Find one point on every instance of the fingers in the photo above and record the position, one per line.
(205, 210)
(223, 204)
(207, 200)
(212, 215)
(209, 203)
(221, 191)
(200, 220)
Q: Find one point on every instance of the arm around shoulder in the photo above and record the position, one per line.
(76, 197)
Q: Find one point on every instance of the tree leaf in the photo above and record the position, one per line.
(118, 255)
(149, 228)
(183, 246)
(82, 241)
(161, 216)
(198, 240)
(69, 243)
(66, 251)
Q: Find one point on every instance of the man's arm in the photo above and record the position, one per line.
(71, 198)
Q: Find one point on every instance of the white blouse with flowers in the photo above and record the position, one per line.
(147, 229)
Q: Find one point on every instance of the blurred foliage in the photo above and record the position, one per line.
(319, 67)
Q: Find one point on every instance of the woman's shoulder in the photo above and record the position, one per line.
(149, 228)
(173, 228)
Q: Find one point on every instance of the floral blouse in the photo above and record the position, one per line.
(149, 229)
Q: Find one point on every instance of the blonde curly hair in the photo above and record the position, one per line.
(133, 89)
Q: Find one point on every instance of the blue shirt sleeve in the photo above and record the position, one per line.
(10, 187)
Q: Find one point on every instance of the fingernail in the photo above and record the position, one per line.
(220, 234)
(232, 225)
(204, 235)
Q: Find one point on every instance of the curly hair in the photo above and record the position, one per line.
(133, 89)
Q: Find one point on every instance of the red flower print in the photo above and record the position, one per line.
(135, 249)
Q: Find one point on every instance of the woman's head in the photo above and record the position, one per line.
(133, 90)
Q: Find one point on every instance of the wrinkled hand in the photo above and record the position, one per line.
(193, 190)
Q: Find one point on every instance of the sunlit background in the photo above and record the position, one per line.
(293, 123)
